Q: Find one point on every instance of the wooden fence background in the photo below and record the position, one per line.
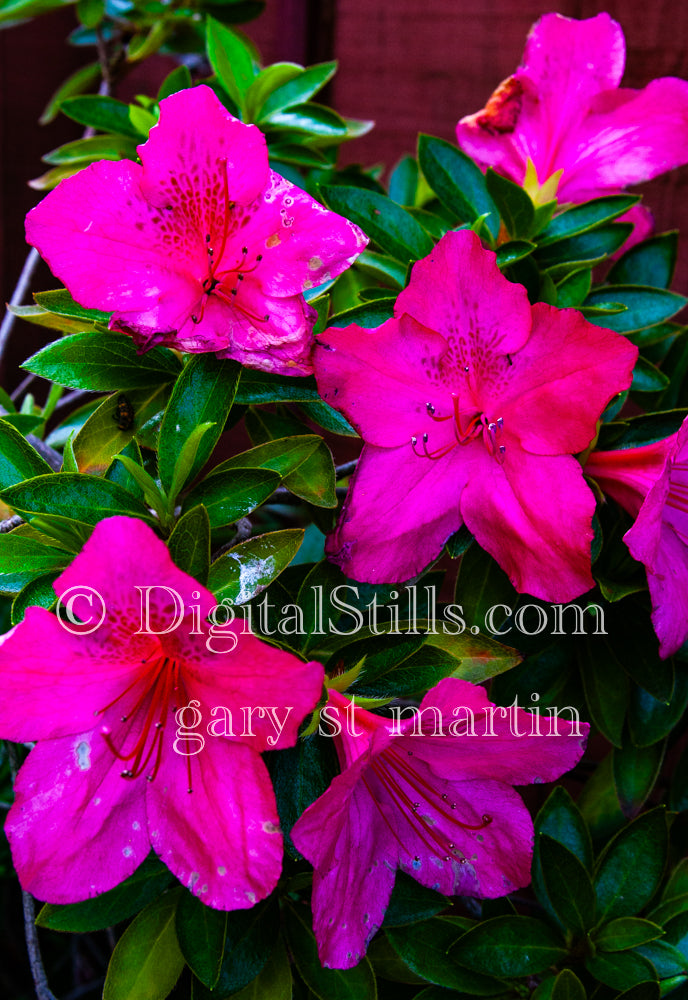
(412, 65)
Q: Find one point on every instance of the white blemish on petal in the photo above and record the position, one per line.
(204, 888)
(222, 870)
(136, 825)
(193, 879)
(315, 263)
(96, 802)
(269, 827)
(251, 897)
(127, 852)
(83, 755)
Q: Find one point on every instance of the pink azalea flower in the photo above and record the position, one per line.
(565, 112)
(659, 540)
(471, 418)
(201, 247)
(108, 779)
(439, 807)
(627, 474)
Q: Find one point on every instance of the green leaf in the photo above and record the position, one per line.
(249, 567)
(323, 415)
(81, 80)
(282, 455)
(635, 771)
(561, 820)
(38, 593)
(187, 459)
(264, 387)
(411, 902)
(606, 687)
(102, 362)
(228, 496)
(651, 262)
(146, 962)
(567, 986)
(574, 289)
(644, 429)
(568, 885)
(644, 306)
(266, 82)
(298, 90)
(570, 254)
(314, 479)
(424, 947)
(457, 181)
(478, 657)
(314, 119)
(232, 60)
(98, 147)
(667, 960)
(514, 204)
(105, 433)
(623, 887)
(87, 498)
(60, 302)
(106, 114)
(368, 315)
(148, 487)
(18, 460)
(178, 79)
(357, 983)
(300, 775)
(587, 216)
(146, 884)
(621, 970)
(510, 946)
(189, 543)
(249, 941)
(648, 378)
(626, 932)
(403, 181)
(23, 558)
(23, 422)
(381, 219)
(201, 932)
(509, 253)
(482, 585)
(273, 981)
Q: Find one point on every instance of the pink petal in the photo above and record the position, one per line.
(383, 379)
(562, 379)
(76, 828)
(628, 474)
(515, 512)
(222, 841)
(195, 139)
(344, 835)
(506, 743)
(399, 512)
(459, 292)
(114, 250)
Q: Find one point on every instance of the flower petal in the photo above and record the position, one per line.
(222, 841)
(628, 474)
(562, 379)
(515, 512)
(77, 828)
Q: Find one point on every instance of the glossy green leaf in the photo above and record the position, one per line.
(457, 181)
(178, 79)
(509, 253)
(635, 771)
(667, 960)
(231, 58)
(570, 254)
(510, 946)
(84, 78)
(424, 947)
(651, 719)
(561, 819)
(86, 498)
(189, 543)
(403, 181)
(249, 942)
(626, 932)
(298, 90)
(301, 774)
(39, 592)
(105, 433)
(568, 885)
(146, 884)
(587, 216)
(515, 205)
(60, 302)
(106, 114)
(368, 315)
(574, 289)
(381, 219)
(606, 686)
(621, 970)
(18, 460)
(567, 986)
(98, 147)
(412, 902)
(227, 496)
(201, 932)
(314, 119)
(274, 981)
(357, 983)
(264, 387)
(266, 83)
(623, 887)
(651, 262)
(102, 361)
(147, 961)
(648, 378)
(23, 558)
(249, 567)
(644, 306)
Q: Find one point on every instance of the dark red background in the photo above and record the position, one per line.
(412, 66)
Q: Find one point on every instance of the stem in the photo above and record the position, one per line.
(346, 470)
(18, 295)
(40, 980)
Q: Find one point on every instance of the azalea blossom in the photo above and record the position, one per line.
(627, 474)
(471, 404)
(562, 125)
(108, 779)
(659, 540)
(201, 246)
(431, 797)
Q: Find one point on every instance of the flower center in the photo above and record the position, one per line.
(146, 704)
(467, 426)
(226, 284)
(407, 787)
